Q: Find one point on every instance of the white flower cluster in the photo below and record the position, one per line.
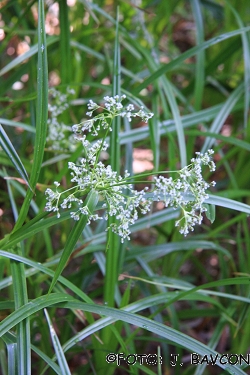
(116, 193)
(60, 137)
(120, 200)
(177, 192)
(112, 108)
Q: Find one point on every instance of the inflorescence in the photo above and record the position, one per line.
(60, 137)
(116, 193)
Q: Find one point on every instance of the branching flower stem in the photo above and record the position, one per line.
(116, 193)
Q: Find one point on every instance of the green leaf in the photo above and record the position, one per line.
(148, 302)
(11, 344)
(222, 115)
(191, 52)
(159, 329)
(246, 54)
(30, 308)
(168, 126)
(66, 58)
(7, 146)
(150, 253)
(210, 213)
(41, 114)
(227, 139)
(200, 65)
(43, 268)
(23, 350)
(91, 202)
(17, 124)
(228, 203)
(47, 359)
(23, 327)
(58, 348)
(24, 56)
(113, 245)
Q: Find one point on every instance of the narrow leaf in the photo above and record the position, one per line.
(16, 124)
(199, 67)
(20, 59)
(23, 327)
(112, 254)
(7, 146)
(246, 54)
(229, 203)
(91, 202)
(41, 113)
(58, 348)
(30, 308)
(210, 213)
(222, 115)
(157, 328)
(66, 58)
(191, 52)
(44, 269)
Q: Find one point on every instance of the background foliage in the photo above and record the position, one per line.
(188, 61)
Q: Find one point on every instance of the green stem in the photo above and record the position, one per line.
(91, 202)
(113, 243)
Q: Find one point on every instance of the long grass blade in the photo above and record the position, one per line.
(31, 308)
(66, 64)
(23, 351)
(7, 146)
(8, 361)
(229, 203)
(41, 113)
(169, 125)
(31, 52)
(12, 359)
(91, 202)
(113, 248)
(222, 115)
(16, 124)
(153, 301)
(191, 52)
(142, 322)
(200, 63)
(178, 122)
(50, 362)
(23, 328)
(246, 53)
(58, 348)
(44, 269)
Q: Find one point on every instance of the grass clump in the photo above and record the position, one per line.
(103, 268)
